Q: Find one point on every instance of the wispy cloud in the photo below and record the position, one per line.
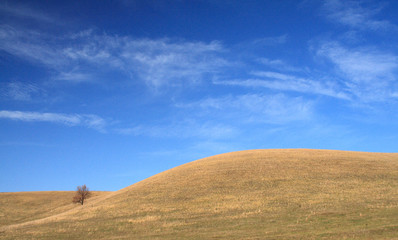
(230, 115)
(164, 62)
(285, 82)
(88, 56)
(32, 46)
(355, 15)
(183, 129)
(270, 41)
(254, 108)
(20, 91)
(75, 76)
(79, 57)
(86, 120)
(369, 73)
(24, 12)
(279, 64)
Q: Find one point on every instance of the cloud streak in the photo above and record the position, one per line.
(285, 82)
(21, 11)
(253, 108)
(81, 57)
(163, 62)
(270, 41)
(183, 129)
(279, 65)
(352, 14)
(32, 46)
(87, 56)
(20, 91)
(369, 73)
(230, 116)
(86, 120)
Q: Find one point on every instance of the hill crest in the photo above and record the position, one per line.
(283, 193)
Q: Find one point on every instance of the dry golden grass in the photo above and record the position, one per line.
(20, 207)
(258, 194)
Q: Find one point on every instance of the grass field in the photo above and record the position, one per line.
(22, 207)
(258, 194)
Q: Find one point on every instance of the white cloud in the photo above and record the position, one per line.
(272, 62)
(87, 120)
(353, 14)
(284, 82)
(182, 129)
(25, 12)
(20, 91)
(370, 74)
(254, 108)
(32, 46)
(75, 76)
(361, 65)
(270, 41)
(229, 117)
(79, 57)
(279, 64)
(166, 63)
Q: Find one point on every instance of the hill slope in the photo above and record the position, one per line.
(256, 194)
(20, 207)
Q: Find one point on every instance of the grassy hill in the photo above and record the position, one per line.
(258, 194)
(20, 207)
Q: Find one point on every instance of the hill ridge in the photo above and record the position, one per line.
(261, 192)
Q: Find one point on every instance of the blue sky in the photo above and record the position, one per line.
(107, 93)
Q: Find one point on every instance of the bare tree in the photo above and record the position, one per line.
(82, 193)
